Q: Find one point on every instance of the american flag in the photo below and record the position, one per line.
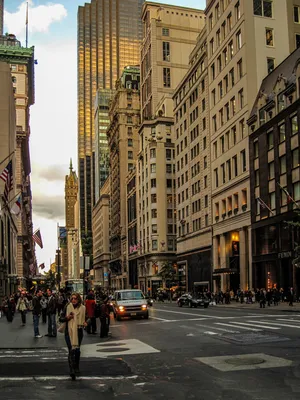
(42, 266)
(7, 177)
(37, 238)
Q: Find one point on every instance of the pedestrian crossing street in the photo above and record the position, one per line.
(246, 324)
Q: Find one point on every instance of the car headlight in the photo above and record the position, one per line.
(121, 308)
(144, 306)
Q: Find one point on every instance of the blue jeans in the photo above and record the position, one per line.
(36, 321)
(52, 331)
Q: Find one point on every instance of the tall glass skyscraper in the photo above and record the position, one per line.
(109, 37)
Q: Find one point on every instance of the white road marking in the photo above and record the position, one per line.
(240, 327)
(120, 347)
(220, 329)
(190, 334)
(257, 322)
(210, 333)
(64, 377)
(276, 323)
(198, 315)
(289, 320)
(162, 319)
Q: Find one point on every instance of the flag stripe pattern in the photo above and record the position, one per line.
(7, 177)
(37, 238)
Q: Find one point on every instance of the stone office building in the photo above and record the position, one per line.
(275, 176)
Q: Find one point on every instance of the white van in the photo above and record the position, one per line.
(130, 303)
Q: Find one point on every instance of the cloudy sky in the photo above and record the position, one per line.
(53, 32)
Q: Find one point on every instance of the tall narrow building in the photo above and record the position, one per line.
(170, 34)
(21, 61)
(72, 225)
(246, 41)
(109, 37)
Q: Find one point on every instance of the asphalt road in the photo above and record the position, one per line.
(179, 353)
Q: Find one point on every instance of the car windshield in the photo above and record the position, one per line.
(130, 295)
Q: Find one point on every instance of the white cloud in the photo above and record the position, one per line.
(40, 17)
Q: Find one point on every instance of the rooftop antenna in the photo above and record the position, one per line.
(27, 24)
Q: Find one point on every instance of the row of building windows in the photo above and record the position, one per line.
(228, 111)
(230, 204)
(230, 170)
(229, 139)
(185, 228)
(225, 84)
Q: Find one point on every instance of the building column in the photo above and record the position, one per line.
(243, 260)
(249, 254)
(215, 250)
(223, 262)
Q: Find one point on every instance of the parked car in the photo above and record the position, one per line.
(193, 301)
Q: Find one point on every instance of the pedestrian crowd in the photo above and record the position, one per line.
(65, 313)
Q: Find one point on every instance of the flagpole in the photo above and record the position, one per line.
(3, 161)
(288, 195)
(27, 24)
(10, 201)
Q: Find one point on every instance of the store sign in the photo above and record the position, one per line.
(285, 254)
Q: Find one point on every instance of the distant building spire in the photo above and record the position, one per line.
(71, 165)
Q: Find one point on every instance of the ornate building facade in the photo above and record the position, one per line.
(21, 61)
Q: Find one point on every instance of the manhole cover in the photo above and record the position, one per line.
(245, 361)
(113, 350)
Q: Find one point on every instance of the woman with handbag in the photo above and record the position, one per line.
(73, 319)
(22, 306)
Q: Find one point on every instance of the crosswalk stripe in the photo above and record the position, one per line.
(238, 326)
(289, 320)
(260, 326)
(276, 323)
(221, 329)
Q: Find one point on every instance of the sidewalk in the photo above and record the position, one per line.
(15, 336)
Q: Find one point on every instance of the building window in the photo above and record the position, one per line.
(152, 153)
(263, 8)
(216, 178)
(153, 168)
(170, 244)
(237, 11)
(240, 68)
(297, 40)
(166, 51)
(213, 71)
(281, 129)
(129, 142)
(228, 162)
(167, 77)
(165, 32)
(241, 98)
(239, 40)
(282, 165)
(153, 183)
(233, 135)
(168, 154)
(130, 155)
(242, 128)
(295, 158)
(270, 65)
(283, 197)
(296, 191)
(272, 200)
(223, 172)
(154, 244)
(154, 213)
(243, 160)
(153, 198)
(154, 228)
(270, 37)
(130, 167)
(294, 124)
(296, 15)
(212, 46)
(169, 168)
(271, 169)
(204, 143)
(235, 166)
(231, 74)
(129, 119)
(255, 145)
(270, 140)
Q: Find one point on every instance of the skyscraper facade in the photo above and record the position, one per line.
(109, 36)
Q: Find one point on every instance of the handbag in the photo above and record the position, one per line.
(62, 327)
